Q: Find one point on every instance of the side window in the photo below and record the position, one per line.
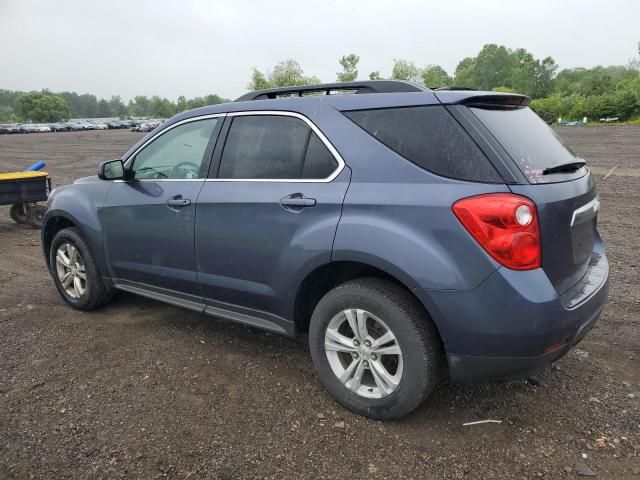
(274, 147)
(429, 137)
(318, 163)
(177, 154)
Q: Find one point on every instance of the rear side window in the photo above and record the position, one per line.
(318, 162)
(429, 137)
(274, 147)
(530, 142)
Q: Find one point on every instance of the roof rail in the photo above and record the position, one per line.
(371, 86)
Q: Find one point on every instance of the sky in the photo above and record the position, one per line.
(194, 48)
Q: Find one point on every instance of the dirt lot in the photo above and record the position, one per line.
(145, 390)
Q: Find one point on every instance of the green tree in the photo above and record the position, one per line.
(464, 75)
(258, 80)
(117, 106)
(161, 107)
(545, 77)
(39, 107)
(435, 76)
(405, 70)
(503, 90)
(284, 74)
(289, 73)
(139, 106)
(492, 67)
(88, 105)
(103, 109)
(375, 76)
(522, 77)
(349, 65)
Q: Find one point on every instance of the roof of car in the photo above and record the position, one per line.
(353, 96)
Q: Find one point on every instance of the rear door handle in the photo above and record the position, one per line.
(297, 201)
(178, 202)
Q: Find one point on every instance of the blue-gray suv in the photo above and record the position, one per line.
(409, 234)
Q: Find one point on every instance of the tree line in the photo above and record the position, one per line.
(47, 106)
(572, 93)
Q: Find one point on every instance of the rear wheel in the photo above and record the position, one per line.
(374, 348)
(18, 213)
(75, 272)
(35, 214)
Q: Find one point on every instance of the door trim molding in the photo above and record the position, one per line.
(234, 313)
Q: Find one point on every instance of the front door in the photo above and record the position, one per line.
(270, 214)
(149, 218)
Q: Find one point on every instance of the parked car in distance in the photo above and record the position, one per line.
(408, 235)
(27, 128)
(59, 127)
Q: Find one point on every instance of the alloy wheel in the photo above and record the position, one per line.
(71, 271)
(363, 353)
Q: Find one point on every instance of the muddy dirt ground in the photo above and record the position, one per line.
(145, 390)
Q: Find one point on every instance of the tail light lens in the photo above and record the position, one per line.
(505, 225)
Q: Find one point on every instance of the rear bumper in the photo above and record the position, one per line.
(465, 368)
(505, 327)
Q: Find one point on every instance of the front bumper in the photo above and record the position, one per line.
(503, 328)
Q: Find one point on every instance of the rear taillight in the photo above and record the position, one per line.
(505, 225)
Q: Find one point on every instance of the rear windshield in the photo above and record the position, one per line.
(530, 142)
(429, 137)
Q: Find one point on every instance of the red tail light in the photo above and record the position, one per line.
(505, 225)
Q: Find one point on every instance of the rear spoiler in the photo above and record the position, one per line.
(482, 99)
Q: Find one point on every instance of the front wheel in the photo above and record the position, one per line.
(75, 272)
(374, 348)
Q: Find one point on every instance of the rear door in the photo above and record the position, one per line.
(566, 198)
(269, 215)
(149, 219)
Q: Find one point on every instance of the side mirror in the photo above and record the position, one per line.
(111, 170)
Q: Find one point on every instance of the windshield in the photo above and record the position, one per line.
(532, 144)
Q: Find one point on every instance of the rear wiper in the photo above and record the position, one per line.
(565, 167)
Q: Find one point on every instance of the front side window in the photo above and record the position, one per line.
(274, 147)
(177, 154)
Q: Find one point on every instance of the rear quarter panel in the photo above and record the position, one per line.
(397, 217)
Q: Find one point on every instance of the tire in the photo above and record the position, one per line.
(35, 214)
(95, 293)
(384, 304)
(17, 213)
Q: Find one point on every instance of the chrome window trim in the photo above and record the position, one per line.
(165, 130)
(284, 113)
(592, 206)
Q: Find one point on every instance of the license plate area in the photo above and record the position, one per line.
(583, 230)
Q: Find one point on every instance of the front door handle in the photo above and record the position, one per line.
(297, 201)
(177, 202)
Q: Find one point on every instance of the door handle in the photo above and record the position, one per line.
(297, 201)
(178, 202)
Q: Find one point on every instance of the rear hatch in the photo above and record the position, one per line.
(556, 179)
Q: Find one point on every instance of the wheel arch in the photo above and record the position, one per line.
(325, 277)
(56, 220)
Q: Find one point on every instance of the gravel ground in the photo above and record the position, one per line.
(145, 390)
